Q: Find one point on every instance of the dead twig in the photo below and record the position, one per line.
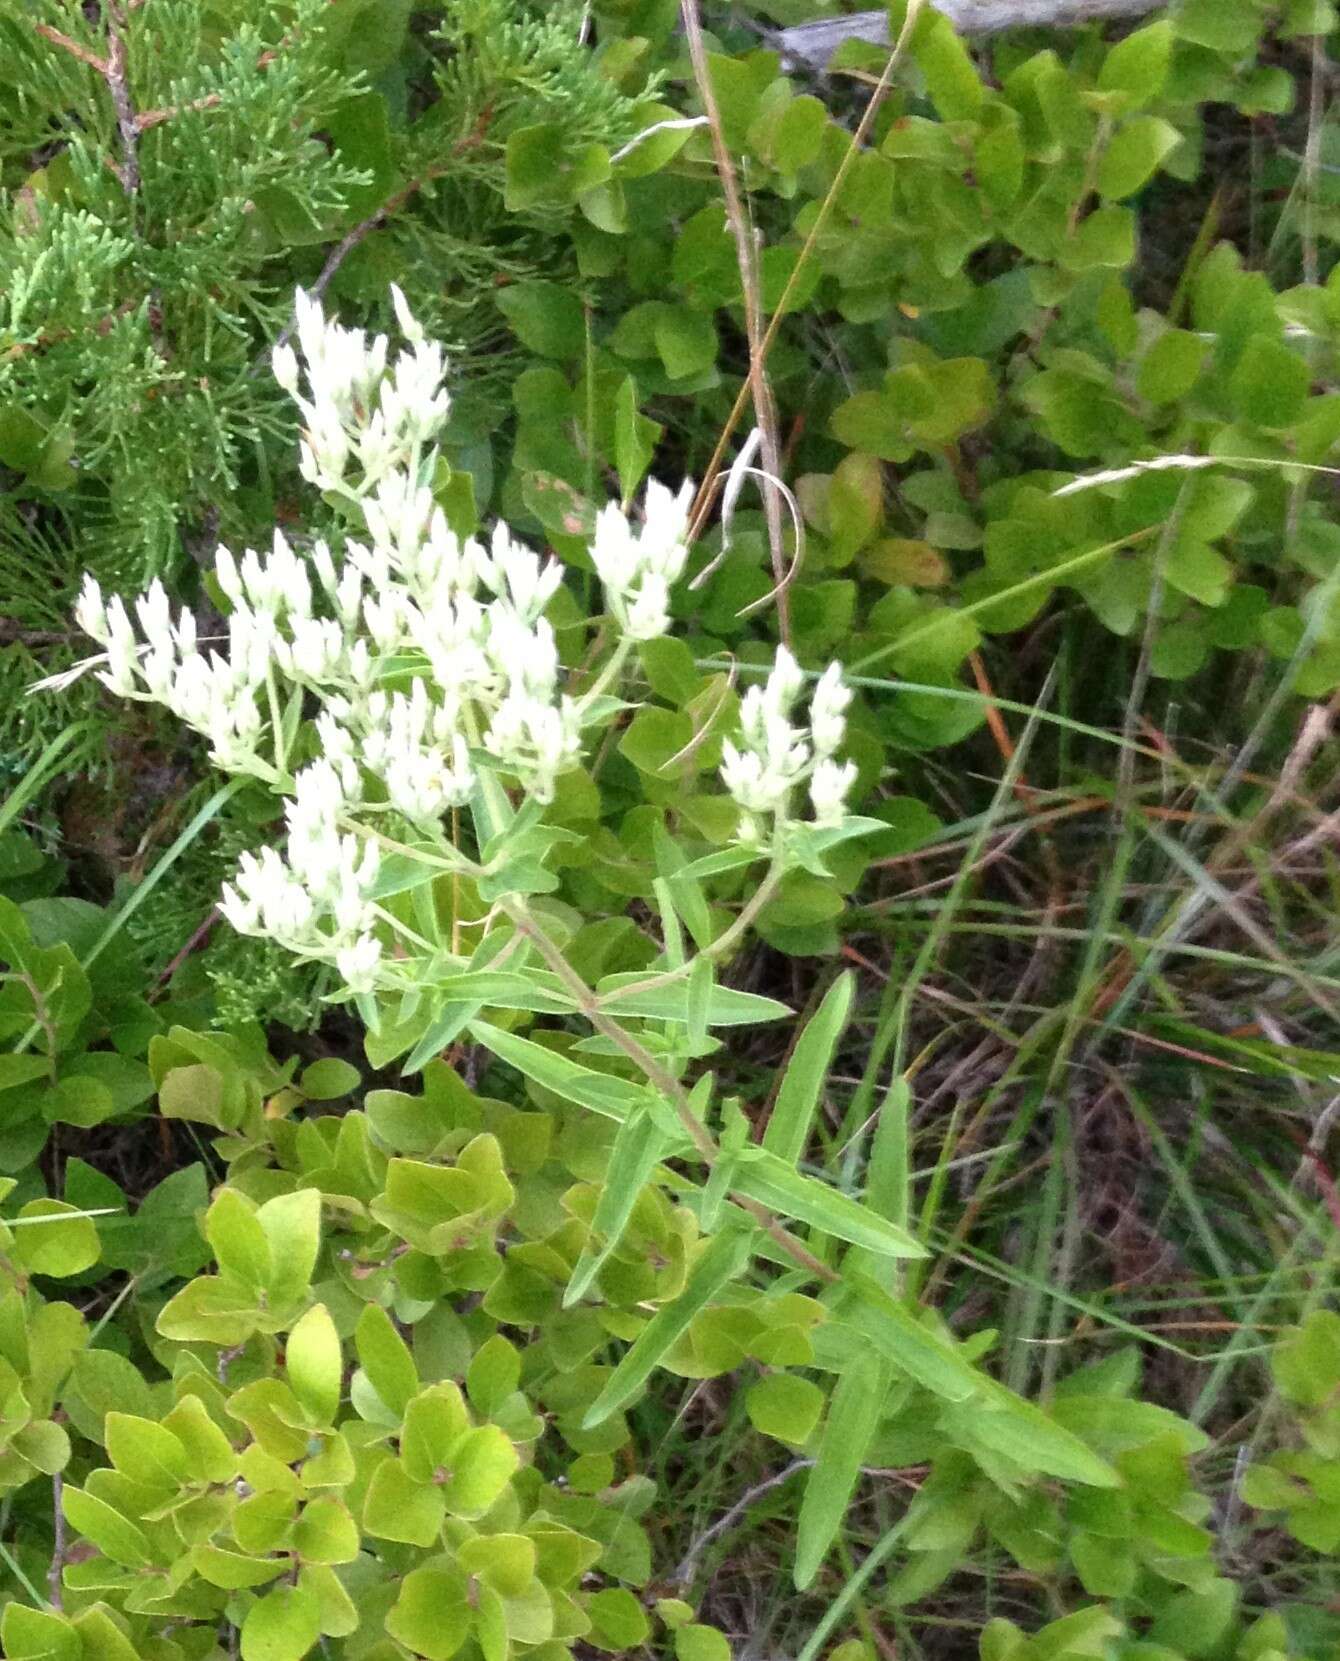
(910, 1476)
(706, 490)
(73, 47)
(197, 940)
(683, 1575)
(153, 118)
(119, 87)
(112, 68)
(746, 254)
(57, 1570)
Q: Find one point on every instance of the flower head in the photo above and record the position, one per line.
(777, 754)
(638, 568)
(372, 677)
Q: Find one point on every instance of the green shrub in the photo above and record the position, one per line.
(347, 1402)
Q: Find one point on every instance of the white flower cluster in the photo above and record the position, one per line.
(776, 755)
(355, 410)
(330, 625)
(318, 904)
(408, 660)
(638, 569)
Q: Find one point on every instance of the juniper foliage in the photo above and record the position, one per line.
(169, 174)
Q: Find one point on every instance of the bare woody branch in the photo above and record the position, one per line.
(119, 87)
(112, 68)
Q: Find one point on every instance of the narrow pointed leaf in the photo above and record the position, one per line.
(727, 1007)
(638, 1148)
(685, 893)
(932, 1361)
(443, 1030)
(701, 986)
(724, 1259)
(888, 1177)
(793, 1114)
(763, 1177)
(853, 1416)
(613, 1098)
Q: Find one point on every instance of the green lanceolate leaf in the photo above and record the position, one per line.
(612, 1098)
(887, 1176)
(726, 1007)
(536, 990)
(1003, 1422)
(798, 1098)
(443, 1030)
(903, 1338)
(701, 986)
(724, 1259)
(853, 1415)
(638, 1148)
(634, 439)
(763, 1177)
(684, 891)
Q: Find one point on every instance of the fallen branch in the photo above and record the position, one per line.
(811, 45)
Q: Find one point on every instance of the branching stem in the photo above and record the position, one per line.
(658, 1077)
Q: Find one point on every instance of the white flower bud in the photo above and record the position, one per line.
(284, 364)
(90, 613)
(120, 674)
(242, 915)
(358, 964)
(637, 570)
(829, 786)
(227, 574)
(828, 706)
(785, 682)
(410, 326)
(647, 614)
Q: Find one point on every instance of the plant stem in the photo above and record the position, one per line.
(613, 668)
(715, 948)
(658, 1076)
